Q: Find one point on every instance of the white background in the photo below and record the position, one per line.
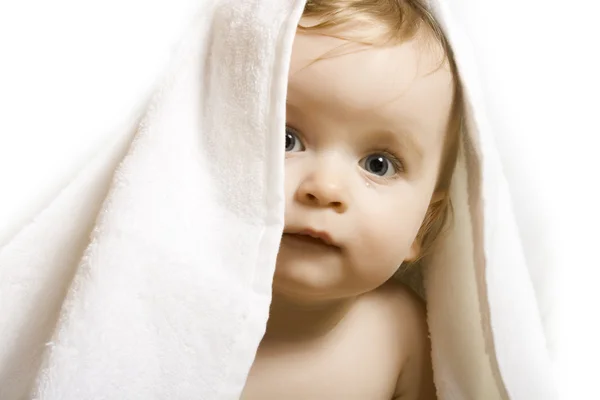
(71, 72)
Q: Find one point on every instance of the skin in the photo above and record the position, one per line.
(364, 140)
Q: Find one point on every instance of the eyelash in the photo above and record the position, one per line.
(397, 162)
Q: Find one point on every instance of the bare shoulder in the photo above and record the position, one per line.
(415, 380)
(403, 299)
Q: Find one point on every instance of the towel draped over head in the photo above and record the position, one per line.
(148, 276)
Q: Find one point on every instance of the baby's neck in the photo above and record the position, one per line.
(291, 320)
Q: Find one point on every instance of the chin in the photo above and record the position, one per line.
(303, 284)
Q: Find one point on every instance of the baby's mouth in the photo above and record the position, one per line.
(311, 237)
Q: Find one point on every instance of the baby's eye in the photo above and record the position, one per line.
(292, 141)
(380, 165)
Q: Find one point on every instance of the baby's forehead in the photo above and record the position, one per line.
(409, 84)
(367, 74)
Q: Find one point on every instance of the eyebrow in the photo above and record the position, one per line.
(293, 107)
(403, 139)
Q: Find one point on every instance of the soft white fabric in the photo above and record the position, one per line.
(148, 275)
(483, 256)
(151, 279)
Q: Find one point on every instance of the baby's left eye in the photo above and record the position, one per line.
(379, 164)
(292, 141)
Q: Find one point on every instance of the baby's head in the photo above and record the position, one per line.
(373, 122)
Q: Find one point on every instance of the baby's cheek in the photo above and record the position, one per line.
(385, 242)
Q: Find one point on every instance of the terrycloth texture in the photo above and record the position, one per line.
(153, 281)
(149, 276)
(478, 285)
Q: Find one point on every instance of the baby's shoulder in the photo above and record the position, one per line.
(402, 313)
(394, 317)
(403, 306)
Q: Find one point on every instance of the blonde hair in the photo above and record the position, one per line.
(400, 20)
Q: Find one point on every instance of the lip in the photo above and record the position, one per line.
(308, 233)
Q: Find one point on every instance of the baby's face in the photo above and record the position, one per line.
(364, 138)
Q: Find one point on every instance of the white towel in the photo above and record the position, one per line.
(151, 279)
(149, 275)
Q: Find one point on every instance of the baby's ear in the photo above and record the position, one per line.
(437, 197)
(432, 217)
(415, 251)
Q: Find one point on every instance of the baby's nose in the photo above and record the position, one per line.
(324, 189)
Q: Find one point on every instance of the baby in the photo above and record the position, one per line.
(373, 121)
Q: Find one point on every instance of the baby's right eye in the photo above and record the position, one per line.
(292, 141)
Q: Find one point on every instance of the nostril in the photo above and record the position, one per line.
(336, 204)
(311, 196)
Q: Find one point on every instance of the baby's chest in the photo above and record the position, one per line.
(355, 370)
